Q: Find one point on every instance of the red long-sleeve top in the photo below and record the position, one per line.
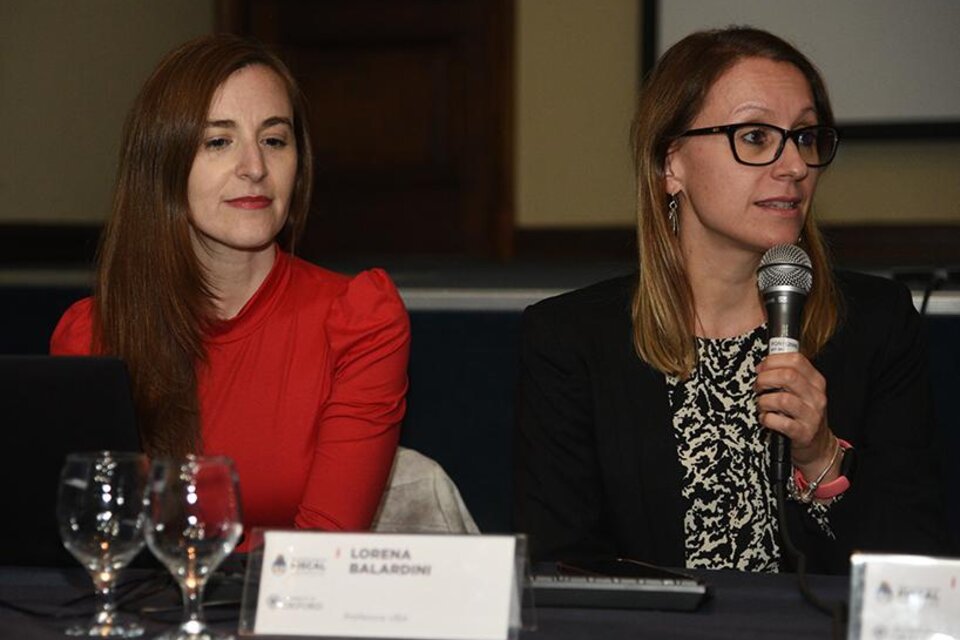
(304, 389)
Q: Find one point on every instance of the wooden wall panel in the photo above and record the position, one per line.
(411, 107)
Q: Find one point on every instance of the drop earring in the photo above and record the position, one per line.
(673, 214)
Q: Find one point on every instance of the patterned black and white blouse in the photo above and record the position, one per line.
(730, 519)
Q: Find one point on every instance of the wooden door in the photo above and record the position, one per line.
(411, 106)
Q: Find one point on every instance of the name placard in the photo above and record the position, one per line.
(904, 597)
(382, 586)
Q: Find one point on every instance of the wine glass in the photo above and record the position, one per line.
(193, 522)
(100, 513)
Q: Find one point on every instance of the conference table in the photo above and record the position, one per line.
(38, 603)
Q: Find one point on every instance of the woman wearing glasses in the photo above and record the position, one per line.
(647, 402)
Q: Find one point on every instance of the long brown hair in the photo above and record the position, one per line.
(153, 302)
(671, 97)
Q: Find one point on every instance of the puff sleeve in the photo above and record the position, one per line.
(73, 335)
(359, 424)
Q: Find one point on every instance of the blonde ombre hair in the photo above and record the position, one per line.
(671, 97)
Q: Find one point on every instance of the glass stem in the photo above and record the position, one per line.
(193, 605)
(103, 583)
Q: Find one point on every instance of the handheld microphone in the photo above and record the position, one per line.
(785, 277)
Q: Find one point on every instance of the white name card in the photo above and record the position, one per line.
(384, 586)
(900, 597)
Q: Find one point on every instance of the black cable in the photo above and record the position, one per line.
(937, 280)
(130, 601)
(160, 613)
(218, 579)
(124, 593)
(837, 610)
(128, 596)
(37, 613)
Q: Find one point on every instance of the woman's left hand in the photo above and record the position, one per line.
(792, 399)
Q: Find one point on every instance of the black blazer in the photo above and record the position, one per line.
(597, 467)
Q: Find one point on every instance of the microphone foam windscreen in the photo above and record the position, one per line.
(785, 266)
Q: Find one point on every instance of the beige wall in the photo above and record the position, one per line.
(69, 70)
(892, 183)
(577, 74)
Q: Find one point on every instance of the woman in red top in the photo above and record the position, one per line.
(235, 346)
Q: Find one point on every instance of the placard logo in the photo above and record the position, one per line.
(884, 592)
(308, 565)
(294, 602)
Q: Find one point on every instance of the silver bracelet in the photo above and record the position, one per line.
(807, 494)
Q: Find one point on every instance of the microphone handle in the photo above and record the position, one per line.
(779, 469)
(784, 307)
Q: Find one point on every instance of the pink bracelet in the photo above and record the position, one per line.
(832, 489)
(823, 491)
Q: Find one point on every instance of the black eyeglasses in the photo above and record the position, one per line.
(758, 144)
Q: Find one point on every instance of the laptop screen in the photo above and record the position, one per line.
(49, 407)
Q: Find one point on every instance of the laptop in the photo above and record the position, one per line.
(49, 407)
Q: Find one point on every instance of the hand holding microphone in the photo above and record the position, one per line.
(792, 394)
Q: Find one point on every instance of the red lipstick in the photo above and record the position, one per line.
(250, 202)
